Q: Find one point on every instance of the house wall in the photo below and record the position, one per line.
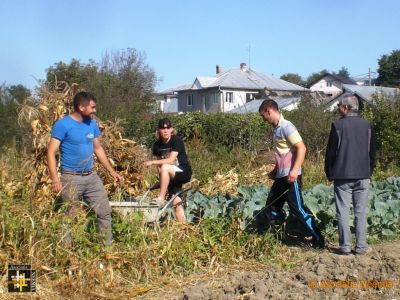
(238, 99)
(322, 86)
(203, 100)
(212, 100)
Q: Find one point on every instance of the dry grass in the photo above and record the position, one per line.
(53, 102)
(31, 231)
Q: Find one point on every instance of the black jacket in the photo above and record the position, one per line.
(350, 153)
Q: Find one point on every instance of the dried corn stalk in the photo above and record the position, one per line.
(54, 102)
(228, 182)
(222, 183)
(259, 176)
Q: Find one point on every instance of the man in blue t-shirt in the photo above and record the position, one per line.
(77, 136)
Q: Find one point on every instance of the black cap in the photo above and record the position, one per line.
(164, 123)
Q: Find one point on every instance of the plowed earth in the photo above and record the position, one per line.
(322, 275)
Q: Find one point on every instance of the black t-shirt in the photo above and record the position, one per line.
(175, 144)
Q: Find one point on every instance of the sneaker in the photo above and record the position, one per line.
(363, 251)
(158, 202)
(318, 244)
(342, 252)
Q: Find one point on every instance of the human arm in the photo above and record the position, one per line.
(271, 174)
(372, 151)
(102, 157)
(300, 149)
(52, 149)
(170, 160)
(330, 153)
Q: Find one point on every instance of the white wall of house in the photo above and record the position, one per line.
(167, 99)
(232, 98)
(213, 100)
(328, 85)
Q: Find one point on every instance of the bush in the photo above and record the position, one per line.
(385, 116)
(216, 130)
(220, 142)
(313, 124)
(247, 131)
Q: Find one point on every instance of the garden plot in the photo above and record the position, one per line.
(321, 276)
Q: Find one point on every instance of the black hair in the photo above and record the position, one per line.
(269, 103)
(83, 98)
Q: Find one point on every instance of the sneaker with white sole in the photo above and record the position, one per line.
(158, 202)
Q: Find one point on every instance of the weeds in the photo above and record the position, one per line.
(140, 253)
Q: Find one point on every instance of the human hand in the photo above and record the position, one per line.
(272, 174)
(148, 163)
(293, 175)
(56, 186)
(116, 176)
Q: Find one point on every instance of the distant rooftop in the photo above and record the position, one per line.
(365, 92)
(342, 79)
(253, 106)
(242, 78)
(245, 79)
(176, 89)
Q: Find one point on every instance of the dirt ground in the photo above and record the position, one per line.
(322, 275)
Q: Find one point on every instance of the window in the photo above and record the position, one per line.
(328, 84)
(229, 97)
(249, 97)
(206, 100)
(189, 100)
(215, 98)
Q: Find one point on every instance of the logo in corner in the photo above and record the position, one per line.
(21, 279)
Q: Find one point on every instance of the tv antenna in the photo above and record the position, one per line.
(248, 49)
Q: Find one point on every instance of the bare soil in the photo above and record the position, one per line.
(321, 275)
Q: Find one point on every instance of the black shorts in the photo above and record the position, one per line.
(179, 179)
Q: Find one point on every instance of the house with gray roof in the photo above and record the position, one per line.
(230, 89)
(330, 84)
(365, 94)
(167, 100)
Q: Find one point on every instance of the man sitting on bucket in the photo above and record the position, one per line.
(172, 164)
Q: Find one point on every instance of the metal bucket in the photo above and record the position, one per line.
(150, 212)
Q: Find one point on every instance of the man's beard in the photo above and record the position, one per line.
(89, 117)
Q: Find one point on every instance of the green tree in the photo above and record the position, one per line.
(71, 73)
(19, 92)
(314, 76)
(122, 82)
(344, 72)
(293, 78)
(10, 98)
(384, 116)
(389, 70)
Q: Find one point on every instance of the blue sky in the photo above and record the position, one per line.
(183, 39)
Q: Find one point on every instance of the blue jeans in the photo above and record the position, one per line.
(356, 192)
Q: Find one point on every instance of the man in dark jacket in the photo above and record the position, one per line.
(349, 162)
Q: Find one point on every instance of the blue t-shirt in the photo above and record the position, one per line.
(76, 142)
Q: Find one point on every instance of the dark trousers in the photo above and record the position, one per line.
(290, 193)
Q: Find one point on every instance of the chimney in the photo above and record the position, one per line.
(218, 69)
(243, 67)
